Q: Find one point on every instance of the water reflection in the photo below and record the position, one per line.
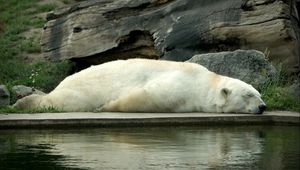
(245, 147)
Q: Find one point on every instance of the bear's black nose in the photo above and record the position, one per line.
(262, 108)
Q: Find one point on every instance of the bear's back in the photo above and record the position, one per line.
(133, 69)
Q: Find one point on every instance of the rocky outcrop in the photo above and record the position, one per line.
(97, 31)
(294, 90)
(250, 66)
(21, 91)
(4, 96)
(17, 92)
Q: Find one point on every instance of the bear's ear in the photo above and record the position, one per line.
(225, 92)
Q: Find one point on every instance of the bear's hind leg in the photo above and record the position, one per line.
(136, 101)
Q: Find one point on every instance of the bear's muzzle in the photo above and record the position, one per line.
(261, 108)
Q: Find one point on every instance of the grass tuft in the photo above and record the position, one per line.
(276, 95)
(40, 110)
(45, 8)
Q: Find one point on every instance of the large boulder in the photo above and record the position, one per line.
(4, 96)
(21, 91)
(250, 66)
(97, 31)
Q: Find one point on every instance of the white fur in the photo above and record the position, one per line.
(140, 85)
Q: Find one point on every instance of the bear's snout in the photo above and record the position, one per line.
(261, 108)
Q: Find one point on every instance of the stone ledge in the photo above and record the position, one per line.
(110, 119)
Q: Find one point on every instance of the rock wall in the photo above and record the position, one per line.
(97, 31)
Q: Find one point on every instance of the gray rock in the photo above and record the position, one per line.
(4, 96)
(294, 89)
(98, 31)
(21, 91)
(250, 66)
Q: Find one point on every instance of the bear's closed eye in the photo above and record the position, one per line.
(248, 95)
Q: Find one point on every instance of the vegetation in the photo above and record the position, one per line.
(19, 16)
(276, 94)
(41, 110)
(16, 18)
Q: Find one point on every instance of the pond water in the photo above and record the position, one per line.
(228, 147)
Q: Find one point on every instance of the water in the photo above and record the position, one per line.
(242, 147)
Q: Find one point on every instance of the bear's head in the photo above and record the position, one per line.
(240, 97)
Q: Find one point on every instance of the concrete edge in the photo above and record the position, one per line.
(63, 120)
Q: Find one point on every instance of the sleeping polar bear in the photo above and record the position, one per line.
(141, 85)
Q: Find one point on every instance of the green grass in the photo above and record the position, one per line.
(17, 17)
(45, 7)
(277, 99)
(30, 45)
(276, 95)
(41, 110)
(42, 75)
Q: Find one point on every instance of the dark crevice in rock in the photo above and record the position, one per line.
(298, 13)
(137, 44)
(229, 44)
(249, 5)
(240, 25)
(54, 15)
(77, 29)
(267, 2)
(124, 12)
(134, 39)
(265, 21)
(75, 7)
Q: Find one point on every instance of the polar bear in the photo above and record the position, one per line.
(143, 85)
